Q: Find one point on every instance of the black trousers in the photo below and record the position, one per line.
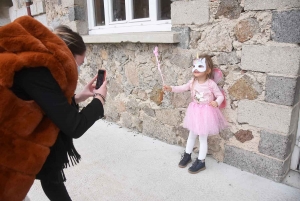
(55, 191)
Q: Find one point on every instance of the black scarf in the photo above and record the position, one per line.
(62, 155)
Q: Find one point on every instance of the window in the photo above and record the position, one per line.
(121, 16)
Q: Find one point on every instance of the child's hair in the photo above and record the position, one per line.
(209, 64)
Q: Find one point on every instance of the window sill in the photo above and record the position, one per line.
(143, 37)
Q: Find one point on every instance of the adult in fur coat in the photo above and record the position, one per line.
(38, 109)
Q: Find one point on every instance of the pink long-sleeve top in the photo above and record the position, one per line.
(201, 93)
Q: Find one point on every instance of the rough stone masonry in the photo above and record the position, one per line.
(253, 43)
(256, 45)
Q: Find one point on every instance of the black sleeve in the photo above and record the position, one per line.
(41, 87)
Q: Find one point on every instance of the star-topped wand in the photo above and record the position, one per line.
(161, 93)
(155, 51)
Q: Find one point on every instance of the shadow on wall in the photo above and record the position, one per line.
(4, 11)
(5, 3)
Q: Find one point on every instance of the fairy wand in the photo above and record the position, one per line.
(155, 52)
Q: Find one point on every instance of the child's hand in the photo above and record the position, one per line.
(213, 103)
(167, 88)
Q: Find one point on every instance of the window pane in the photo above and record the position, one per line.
(164, 9)
(119, 12)
(140, 9)
(99, 13)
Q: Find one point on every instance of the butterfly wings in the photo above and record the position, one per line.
(217, 78)
(217, 75)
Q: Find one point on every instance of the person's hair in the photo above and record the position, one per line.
(73, 40)
(209, 64)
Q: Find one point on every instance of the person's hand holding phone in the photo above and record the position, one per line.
(87, 91)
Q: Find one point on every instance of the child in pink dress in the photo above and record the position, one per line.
(203, 116)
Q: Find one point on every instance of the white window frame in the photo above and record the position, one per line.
(129, 25)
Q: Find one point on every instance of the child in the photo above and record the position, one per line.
(203, 117)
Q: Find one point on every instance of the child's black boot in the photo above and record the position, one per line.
(185, 159)
(197, 166)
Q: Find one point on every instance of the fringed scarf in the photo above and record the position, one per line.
(62, 155)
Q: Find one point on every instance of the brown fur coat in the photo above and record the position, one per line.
(25, 133)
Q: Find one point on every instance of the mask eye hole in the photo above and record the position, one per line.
(200, 66)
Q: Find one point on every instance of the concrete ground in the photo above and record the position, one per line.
(121, 165)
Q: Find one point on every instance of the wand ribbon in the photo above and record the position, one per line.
(155, 51)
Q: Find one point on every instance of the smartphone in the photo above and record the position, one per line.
(100, 78)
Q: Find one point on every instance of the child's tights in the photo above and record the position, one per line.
(203, 145)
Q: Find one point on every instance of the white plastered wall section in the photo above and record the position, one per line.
(38, 10)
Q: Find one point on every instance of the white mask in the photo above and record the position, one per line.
(199, 65)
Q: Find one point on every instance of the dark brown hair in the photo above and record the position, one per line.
(73, 40)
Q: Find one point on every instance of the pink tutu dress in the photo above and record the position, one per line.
(200, 117)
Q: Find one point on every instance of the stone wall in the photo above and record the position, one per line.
(37, 10)
(256, 45)
(50, 13)
(275, 116)
(4, 11)
(68, 12)
(253, 43)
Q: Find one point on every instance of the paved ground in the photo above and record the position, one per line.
(121, 165)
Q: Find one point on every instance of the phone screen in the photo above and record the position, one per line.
(100, 78)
